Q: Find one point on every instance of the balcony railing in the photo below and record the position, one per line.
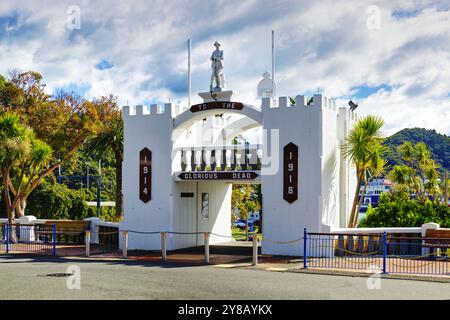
(220, 158)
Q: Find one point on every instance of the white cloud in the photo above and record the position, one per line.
(320, 44)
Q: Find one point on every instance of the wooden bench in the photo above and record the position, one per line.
(436, 239)
(68, 229)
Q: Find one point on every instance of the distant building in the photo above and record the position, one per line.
(374, 190)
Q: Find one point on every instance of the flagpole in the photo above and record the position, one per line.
(189, 73)
(273, 64)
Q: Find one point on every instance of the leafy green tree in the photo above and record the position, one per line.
(62, 123)
(110, 138)
(364, 148)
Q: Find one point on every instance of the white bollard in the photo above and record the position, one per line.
(87, 242)
(206, 240)
(255, 250)
(124, 243)
(163, 246)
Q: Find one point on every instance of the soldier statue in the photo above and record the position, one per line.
(217, 66)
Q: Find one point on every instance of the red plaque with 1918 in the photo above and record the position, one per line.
(290, 183)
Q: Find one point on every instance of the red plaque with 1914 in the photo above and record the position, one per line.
(145, 175)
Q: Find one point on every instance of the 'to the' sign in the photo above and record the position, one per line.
(290, 183)
(145, 175)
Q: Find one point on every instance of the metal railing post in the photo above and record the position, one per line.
(255, 250)
(54, 240)
(384, 252)
(87, 242)
(206, 240)
(7, 238)
(124, 243)
(163, 246)
(305, 252)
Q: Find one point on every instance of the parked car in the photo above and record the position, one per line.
(241, 223)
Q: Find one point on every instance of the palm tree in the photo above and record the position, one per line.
(407, 152)
(423, 156)
(364, 148)
(403, 177)
(21, 154)
(420, 175)
(431, 185)
(38, 158)
(13, 146)
(111, 139)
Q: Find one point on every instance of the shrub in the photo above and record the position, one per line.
(397, 210)
(56, 201)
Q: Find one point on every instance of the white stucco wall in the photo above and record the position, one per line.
(167, 211)
(326, 179)
(313, 129)
(153, 131)
(347, 179)
(187, 215)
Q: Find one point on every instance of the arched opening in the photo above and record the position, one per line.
(212, 153)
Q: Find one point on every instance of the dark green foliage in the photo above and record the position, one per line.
(397, 210)
(55, 201)
(438, 144)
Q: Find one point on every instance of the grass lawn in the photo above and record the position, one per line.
(239, 234)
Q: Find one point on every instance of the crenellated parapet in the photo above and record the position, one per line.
(319, 102)
(154, 110)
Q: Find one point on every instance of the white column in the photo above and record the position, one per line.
(255, 250)
(124, 243)
(206, 239)
(163, 246)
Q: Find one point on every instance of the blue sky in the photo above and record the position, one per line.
(398, 68)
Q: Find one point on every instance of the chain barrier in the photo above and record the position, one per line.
(282, 242)
(105, 232)
(222, 236)
(142, 232)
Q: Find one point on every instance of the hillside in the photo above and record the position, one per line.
(439, 145)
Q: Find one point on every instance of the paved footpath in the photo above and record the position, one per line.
(26, 278)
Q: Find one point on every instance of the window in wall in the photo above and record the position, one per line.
(205, 206)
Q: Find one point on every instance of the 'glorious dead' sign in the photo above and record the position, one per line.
(212, 176)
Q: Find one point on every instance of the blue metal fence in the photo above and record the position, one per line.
(386, 253)
(22, 238)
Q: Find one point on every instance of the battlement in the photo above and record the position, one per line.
(347, 114)
(148, 111)
(319, 102)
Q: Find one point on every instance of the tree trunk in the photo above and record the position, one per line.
(355, 201)
(446, 187)
(355, 221)
(21, 205)
(10, 213)
(6, 192)
(119, 193)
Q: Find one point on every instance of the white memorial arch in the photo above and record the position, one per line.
(179, 167)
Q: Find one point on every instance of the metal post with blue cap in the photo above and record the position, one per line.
(7, 238)
(305, 254)
(384, 252)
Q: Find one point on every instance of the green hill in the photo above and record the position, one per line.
(439, 145)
